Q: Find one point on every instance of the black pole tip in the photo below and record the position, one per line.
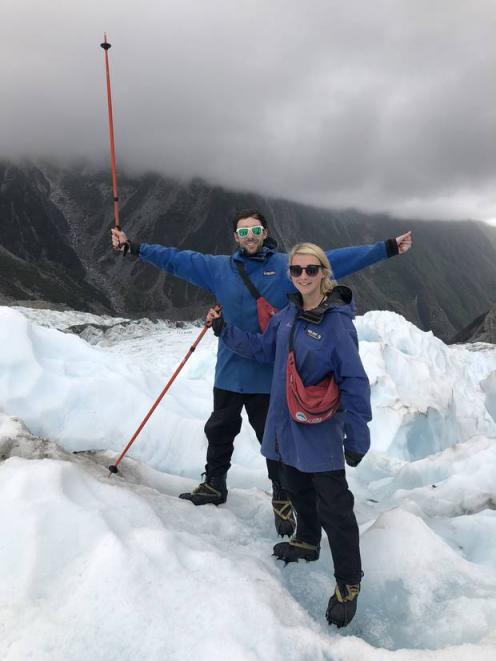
(106, 45)
(113, 469)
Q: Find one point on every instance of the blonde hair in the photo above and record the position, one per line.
(327, 283)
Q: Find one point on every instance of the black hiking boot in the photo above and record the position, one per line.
(211, 492)
(295, 550)
(284, 517)
(343, 604)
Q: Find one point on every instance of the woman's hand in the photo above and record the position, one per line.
(215, 320)
(213, 313)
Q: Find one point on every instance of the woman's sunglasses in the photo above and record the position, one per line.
(242, 232)
(311, 270)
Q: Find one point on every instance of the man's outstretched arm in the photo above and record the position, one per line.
(195, 267)
(345, 261)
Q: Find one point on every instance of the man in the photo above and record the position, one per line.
(238, 381)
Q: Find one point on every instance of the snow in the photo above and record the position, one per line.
(120, 568)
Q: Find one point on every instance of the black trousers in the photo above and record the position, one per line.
(323, 500)
(225, 424)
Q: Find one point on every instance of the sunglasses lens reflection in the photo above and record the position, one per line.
(242, 232)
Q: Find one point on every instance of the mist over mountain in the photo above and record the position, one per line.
(55, 246)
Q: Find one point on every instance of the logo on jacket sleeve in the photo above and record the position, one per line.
(269, 273)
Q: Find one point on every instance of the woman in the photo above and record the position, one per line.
(311, 455)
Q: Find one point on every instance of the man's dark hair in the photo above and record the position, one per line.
(249, 213)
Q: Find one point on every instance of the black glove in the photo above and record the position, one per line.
(134, 248)
(392, 248)
(218, 325)
(353, 458)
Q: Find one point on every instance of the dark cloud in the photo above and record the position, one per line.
(384, 105)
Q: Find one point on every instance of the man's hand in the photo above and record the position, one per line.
(119, 239)
(404, 242)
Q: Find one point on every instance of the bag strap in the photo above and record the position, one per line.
(291, 335)
(248, 283)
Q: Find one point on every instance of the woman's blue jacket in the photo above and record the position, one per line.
(324, 343)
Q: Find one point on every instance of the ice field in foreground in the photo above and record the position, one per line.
(97, 568)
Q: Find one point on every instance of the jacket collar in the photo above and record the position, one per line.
(268, 249)
(260, 256)
(340, 296)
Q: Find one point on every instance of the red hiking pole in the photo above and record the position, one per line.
(106, 46)
(113, 468)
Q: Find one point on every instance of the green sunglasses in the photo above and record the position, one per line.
(242, 232)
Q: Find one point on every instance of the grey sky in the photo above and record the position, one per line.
(378, 104)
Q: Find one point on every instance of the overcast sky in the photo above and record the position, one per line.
(377, 104)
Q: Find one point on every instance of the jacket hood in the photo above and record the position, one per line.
(339, 300)
(270, 243)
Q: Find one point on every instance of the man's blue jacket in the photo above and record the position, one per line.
(268, 271)
(324, 344)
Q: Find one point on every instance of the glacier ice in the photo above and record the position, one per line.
(122, 569)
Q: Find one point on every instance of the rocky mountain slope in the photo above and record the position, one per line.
(55, 246)
(482, 329)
